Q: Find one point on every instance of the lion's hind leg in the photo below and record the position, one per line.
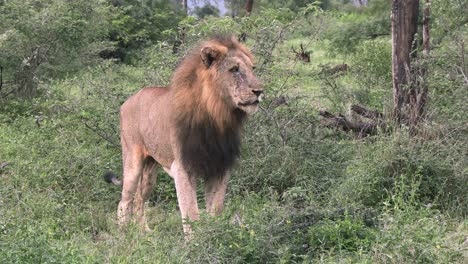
(144, 190)
(132, 169)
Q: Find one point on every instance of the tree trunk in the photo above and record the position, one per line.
(184, 6)
(404, 27)
(248, 7)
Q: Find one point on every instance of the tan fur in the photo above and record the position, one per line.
(206, 90)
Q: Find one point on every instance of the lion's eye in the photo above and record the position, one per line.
(234, 69)
(254, 67)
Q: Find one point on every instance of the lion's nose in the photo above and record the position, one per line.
(257, 92)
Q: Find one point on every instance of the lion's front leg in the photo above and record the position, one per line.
(215, 190)
(186, 188)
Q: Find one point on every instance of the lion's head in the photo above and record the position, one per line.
(230, 66)
(223, 69)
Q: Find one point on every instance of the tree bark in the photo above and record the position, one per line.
(249, 6)
(404, 27)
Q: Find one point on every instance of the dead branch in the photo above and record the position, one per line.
(360, 129)
(179, 40)
(302, 54)
(366, 113)
(99, 131)
(4, 164)
(242, 37)
(462, 61)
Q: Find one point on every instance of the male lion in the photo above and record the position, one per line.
(190, 128)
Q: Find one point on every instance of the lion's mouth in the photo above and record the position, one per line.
(250, 103)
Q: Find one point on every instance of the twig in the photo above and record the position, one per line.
(462, 64)
(100, 132)
(1, 78)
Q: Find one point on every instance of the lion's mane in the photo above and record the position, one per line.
(207, 129)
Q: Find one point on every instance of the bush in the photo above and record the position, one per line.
(418, 236)
(393, 167)
(44, 39)
(352, 28)
(344, 234)
(137, 25)
(372, 71)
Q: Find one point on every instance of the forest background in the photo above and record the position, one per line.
(307, 188)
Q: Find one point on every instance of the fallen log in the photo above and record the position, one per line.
(360, 128)
(366, 113)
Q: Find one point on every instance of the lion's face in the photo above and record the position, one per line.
(240, 88)
(243, 89)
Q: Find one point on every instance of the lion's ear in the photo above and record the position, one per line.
(209, 55)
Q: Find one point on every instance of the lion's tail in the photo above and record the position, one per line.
(111, 178)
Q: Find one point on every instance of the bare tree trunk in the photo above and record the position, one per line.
(184, 6)
(249, 6)
(404, 27)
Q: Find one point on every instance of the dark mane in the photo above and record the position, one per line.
(207, 130)
(205, 149)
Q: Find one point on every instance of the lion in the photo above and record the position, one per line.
(191, 129)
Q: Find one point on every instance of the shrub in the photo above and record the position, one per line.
(396, 167)
(418, 236)
(372, 71)
(352, 28)
(137, 25)
(43, 39)
(343, 234)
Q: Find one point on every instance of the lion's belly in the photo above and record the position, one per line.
(156, 131)
(161, 151)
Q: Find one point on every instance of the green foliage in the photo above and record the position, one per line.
(351, 29)
(448, 18)
(137, 24)
(43, 39)
(401, 173)
(346, 234)
(418, 236)
(206, 10)
(371, 66)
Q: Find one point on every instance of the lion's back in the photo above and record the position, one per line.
(142, 100)
(145, 109)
